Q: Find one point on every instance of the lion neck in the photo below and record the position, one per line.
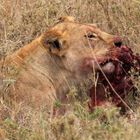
(52, 68)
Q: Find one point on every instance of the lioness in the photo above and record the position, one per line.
(46, 69)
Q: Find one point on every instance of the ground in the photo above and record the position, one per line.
(22, 21)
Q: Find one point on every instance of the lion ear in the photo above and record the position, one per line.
(66, 19)
(51, 39)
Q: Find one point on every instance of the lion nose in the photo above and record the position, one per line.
(117, 42)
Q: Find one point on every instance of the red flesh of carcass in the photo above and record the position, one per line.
(120, 81)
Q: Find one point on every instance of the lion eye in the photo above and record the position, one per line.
(91, 35)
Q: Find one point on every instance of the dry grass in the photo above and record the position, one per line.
(22, 21)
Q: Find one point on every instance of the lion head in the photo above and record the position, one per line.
(80, 47)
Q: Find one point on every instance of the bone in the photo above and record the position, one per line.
(108, 68)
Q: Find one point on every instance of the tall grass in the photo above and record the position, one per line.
(23, 20)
